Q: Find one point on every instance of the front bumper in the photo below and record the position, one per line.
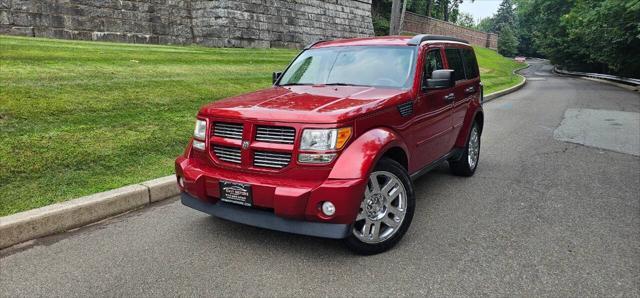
(294, 195)
(266, 219)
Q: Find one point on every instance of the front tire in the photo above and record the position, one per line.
(386, 210)
(468, 162)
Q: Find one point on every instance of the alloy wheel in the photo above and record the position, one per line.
(382, 210)
(474, 148)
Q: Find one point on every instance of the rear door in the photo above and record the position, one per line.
(472, 72)
(462, 61)
(432, 129)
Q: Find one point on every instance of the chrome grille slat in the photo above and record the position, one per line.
(228, 130)
(274, 155)
(271, 159)
(227, 154)
(268, 165)
(274, 159)
(276, 134)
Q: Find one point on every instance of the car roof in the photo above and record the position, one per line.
(398, 40)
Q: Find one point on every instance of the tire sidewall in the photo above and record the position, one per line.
(475, 126)
(461, 166)
(363, 248)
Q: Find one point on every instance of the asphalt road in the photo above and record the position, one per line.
(540, 217)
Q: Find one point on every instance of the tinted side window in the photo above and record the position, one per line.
(432, 62)
(470, 64)
(455, 63)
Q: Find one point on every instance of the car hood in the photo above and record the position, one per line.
(304, 104)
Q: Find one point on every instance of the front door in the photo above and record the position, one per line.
(433, 117)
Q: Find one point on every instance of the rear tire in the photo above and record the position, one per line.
(467, 164)
(386, 210)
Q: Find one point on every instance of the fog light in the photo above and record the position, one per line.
(328, 208)
(315, 158)
(198, 145)
(180, 182)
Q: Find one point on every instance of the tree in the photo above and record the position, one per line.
(507, 42)
(381, 12)
(396, 10)
(465, 20)
(608, 33)
(486, 25)
(447, 10)
(429, 7)
(505, 17)
(585, 35)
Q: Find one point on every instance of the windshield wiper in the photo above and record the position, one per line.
(345, 84)
(296, 84)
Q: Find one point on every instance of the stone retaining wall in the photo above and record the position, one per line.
(417, 24)
(220, 23)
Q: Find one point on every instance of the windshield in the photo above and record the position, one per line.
(376, 66)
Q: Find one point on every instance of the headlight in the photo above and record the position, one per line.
(324, 139)
(200, 132)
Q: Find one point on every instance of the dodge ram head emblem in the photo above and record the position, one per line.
(245, 144)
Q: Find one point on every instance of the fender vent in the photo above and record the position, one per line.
(406, 109)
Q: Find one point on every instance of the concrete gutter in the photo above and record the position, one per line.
(494, 95)
(60, 217)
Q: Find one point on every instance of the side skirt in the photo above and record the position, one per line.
(452, 155)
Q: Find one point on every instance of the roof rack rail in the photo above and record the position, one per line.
(420, 38)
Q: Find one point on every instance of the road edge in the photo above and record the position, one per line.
(558, 71)
(497, 94)
(60, 217)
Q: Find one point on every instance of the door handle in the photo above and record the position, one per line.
(449, 98)
(470, 90)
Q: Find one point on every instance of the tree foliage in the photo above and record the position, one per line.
(505, 17)
(588, 35)
(507, 42)
(486, 24)
(446, 10)
(465, 20)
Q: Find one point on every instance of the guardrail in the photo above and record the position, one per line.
(630, 81)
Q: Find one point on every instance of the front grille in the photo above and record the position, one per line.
(271, 159)
(275, 134)
(228, 154)
(228, 130)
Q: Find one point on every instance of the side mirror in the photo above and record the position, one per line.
(440, 79)
(275, 76)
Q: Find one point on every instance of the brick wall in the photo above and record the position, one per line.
(417, 24)
(220, 23)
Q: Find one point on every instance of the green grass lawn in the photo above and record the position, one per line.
(496, 71)
(83, 117)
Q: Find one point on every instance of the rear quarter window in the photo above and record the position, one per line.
(455, 62)
(470, 64)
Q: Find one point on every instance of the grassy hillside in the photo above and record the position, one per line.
(82, 117)
(496, 71)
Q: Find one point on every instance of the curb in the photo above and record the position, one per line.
(64, 216)
(494, 95)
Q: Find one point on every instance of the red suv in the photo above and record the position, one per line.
(330, 150)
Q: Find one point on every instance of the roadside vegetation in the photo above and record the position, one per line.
(83, 117)
(585, 35)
